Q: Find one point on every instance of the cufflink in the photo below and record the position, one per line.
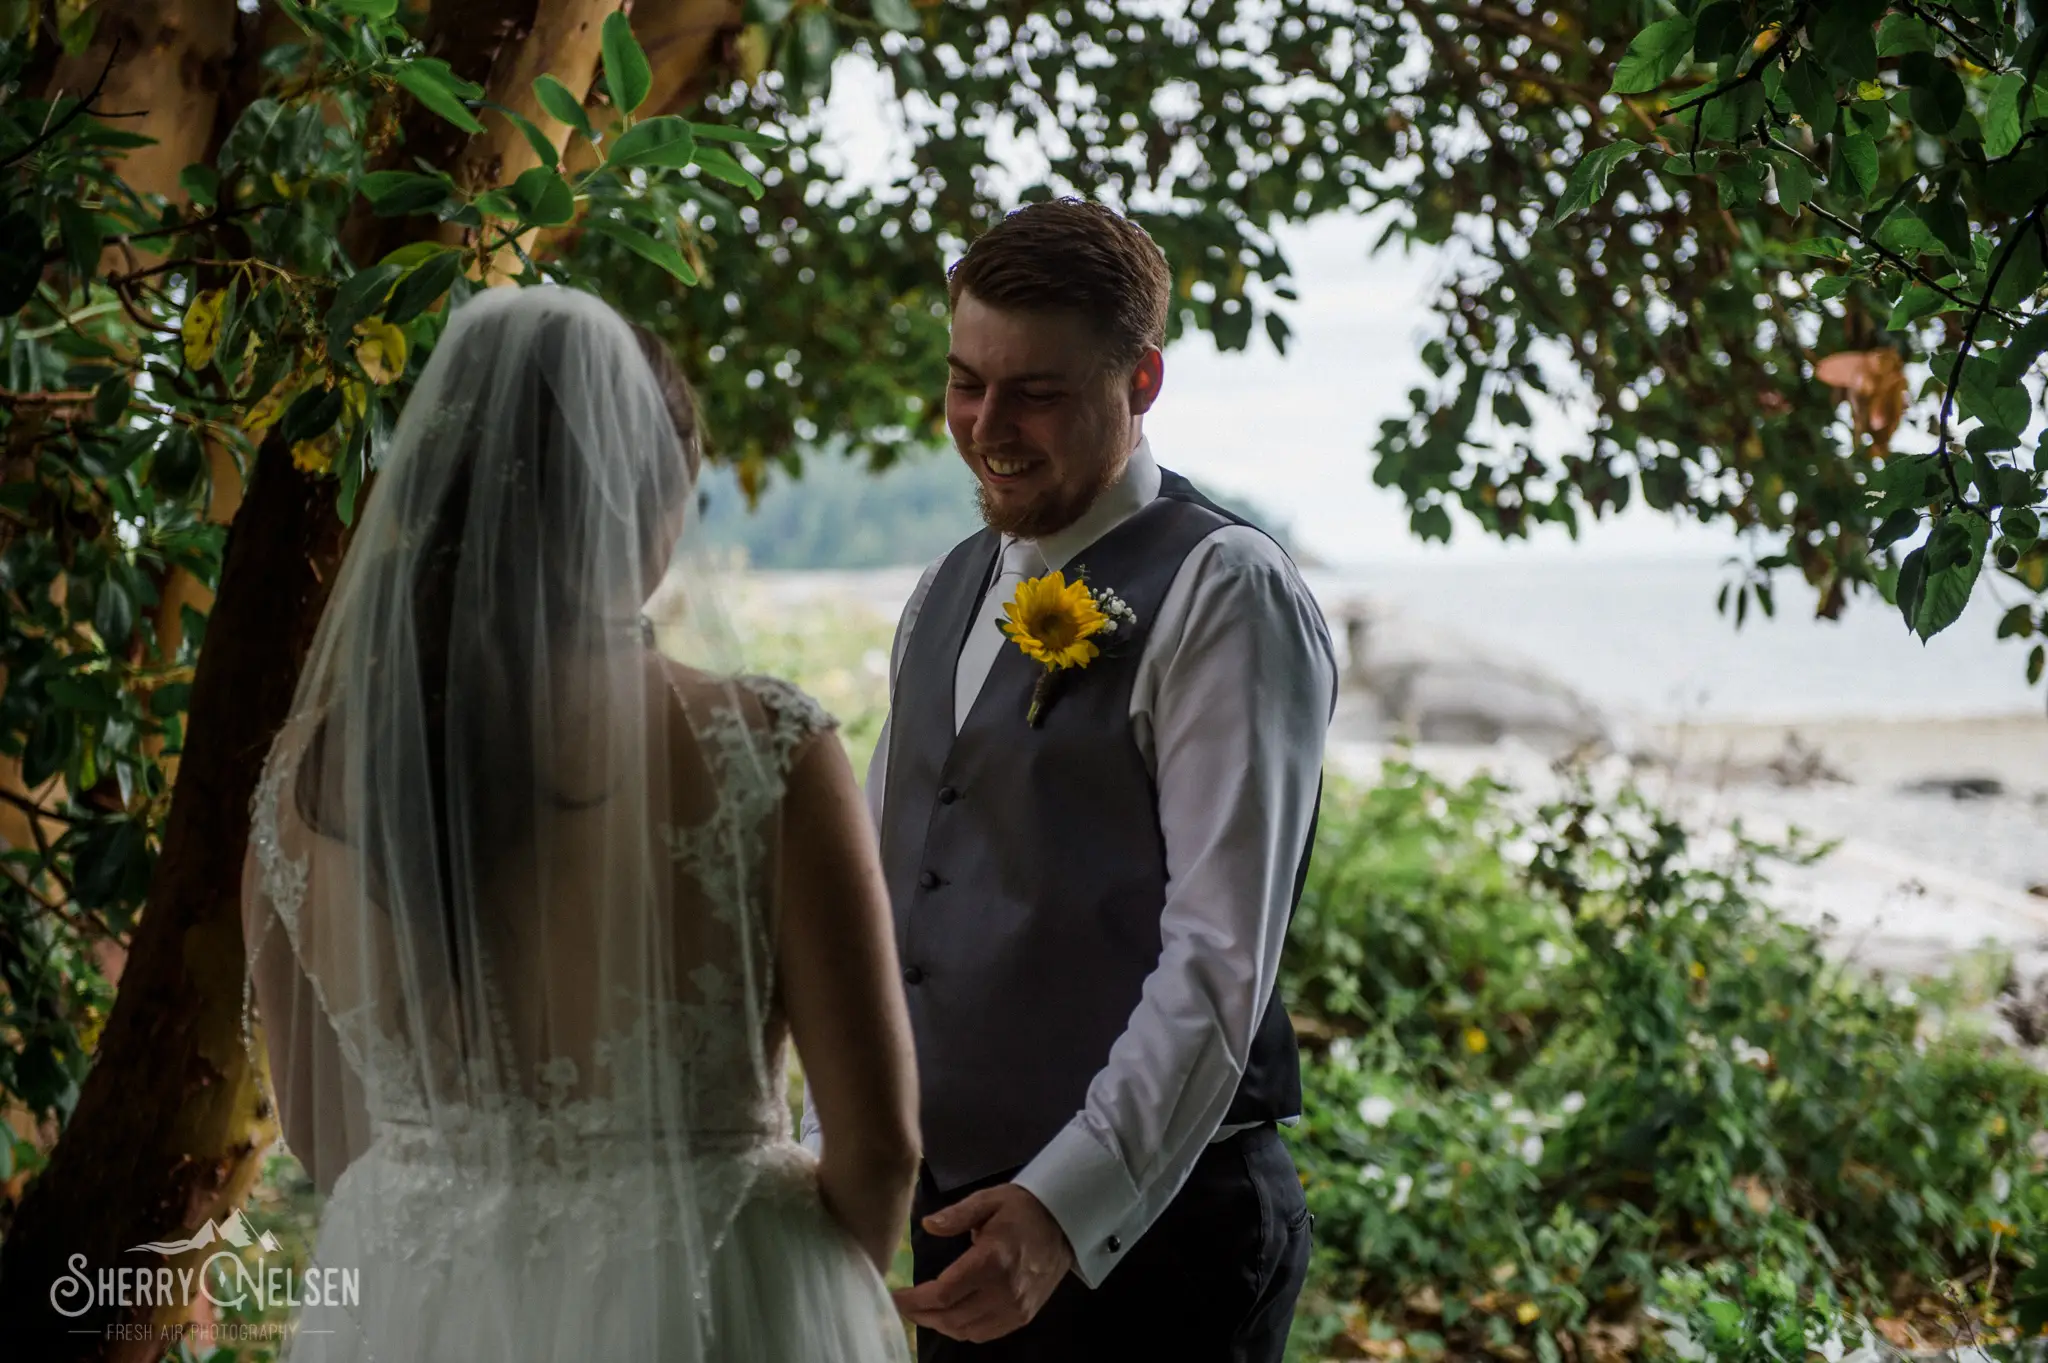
(1113, 1244)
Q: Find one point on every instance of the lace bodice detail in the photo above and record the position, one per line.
(562, 1120)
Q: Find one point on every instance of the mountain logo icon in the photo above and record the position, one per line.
(233, 1229)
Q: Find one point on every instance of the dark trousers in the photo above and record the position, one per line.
(1213, 1281)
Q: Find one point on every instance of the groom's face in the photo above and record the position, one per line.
(1039, 415)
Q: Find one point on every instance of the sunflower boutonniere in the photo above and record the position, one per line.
(1062, 625)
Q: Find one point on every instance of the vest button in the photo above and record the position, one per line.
(913, 974)
(928, 879)
(947, 795)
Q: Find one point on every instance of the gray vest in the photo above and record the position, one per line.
(1026, 866)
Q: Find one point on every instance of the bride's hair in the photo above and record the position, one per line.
(546, 507)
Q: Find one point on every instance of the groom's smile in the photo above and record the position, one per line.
(1039, 414)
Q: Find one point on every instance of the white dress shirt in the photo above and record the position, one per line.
(1233, 695)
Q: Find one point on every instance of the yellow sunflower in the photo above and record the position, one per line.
(1054, 621)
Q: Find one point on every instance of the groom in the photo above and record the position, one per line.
(1090, 910)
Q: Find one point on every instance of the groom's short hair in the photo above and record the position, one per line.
(1070, 255)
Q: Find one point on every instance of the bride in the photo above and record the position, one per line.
(534, 910)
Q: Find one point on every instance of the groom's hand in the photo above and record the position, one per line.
(1018, 1257)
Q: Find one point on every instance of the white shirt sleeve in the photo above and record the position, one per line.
(808, 1130)
(1235, 709)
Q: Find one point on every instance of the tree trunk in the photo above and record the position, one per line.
(170, 1121)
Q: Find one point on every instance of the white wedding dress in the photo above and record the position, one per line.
(511, 900)
(785, 1284)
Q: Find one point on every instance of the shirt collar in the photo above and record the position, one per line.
(1118, 502)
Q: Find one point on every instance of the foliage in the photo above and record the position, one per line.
(1571, 1081)
(1899, 148)
(129, 385)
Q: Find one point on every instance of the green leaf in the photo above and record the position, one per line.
(664, 141)
(2020, 524)
(416, 292)
(720, 165)
(545, 197)
(1844, 38)
(1794, 180)
(897, 15)
(1934, 92)
(1912, 583)
(2002, 118)
(1896, 527)
(1718, 31)
(1590, 176)
(1918, 302)
(1947, 590)
(416, 253)
(562, 106)
(396, 193)
(818, 39)
(110, 399)
(359, 297)
(2016, 623)
(2021, 277)
(645, 246)
(496, 203)
(1859, 158)
(1902, 33)
(21, 261)
(1652, 57)
(1834, 286)
(2007, 408)
(1908, 234)
(373, 9)
(311, 415)
(433, 84)
(535, 138)
(201, 184)
(1827, 248)
(78, 227)
(746, 137)
(1812, 93)
(626, 73)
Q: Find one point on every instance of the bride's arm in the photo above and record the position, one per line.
(839, 982)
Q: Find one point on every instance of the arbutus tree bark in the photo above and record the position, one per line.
(169, 1126)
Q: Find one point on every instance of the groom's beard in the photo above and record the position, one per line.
(1048, 514)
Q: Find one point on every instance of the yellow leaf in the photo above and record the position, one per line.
(315, 456)
(1869, 89)
(1696, 970)
(265, 411)
(1527, 1312)
(750, 51)
(1475, 1040)
(1765, 38)
(380, 350)
(202, 328)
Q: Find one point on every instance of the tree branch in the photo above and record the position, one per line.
(28, 806)
(1902, 263)
(1955, 373)
(71, 115)
(1970, 50)
(1756, 68)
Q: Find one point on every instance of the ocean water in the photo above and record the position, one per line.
(1642, 638)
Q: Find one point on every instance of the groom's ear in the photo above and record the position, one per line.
(1147, 378)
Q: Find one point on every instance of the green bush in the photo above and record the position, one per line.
(1569, 1080)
